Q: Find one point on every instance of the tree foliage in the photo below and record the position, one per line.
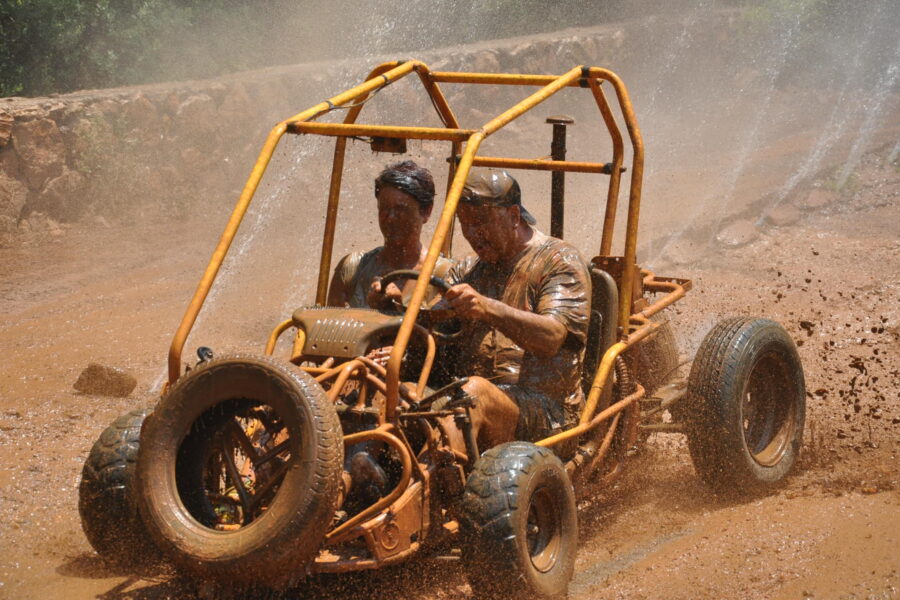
(51, 46)
(61, 45)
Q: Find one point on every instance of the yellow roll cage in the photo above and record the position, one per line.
(465, 145)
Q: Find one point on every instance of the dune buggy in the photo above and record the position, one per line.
(240, 475)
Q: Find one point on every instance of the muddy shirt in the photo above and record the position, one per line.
(358, 270)
(549, 278)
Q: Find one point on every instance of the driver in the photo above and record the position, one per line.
(525, 303)
(405, 195)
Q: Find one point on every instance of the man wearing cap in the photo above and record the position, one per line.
(525, 302)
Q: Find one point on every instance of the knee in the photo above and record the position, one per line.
(478, 387)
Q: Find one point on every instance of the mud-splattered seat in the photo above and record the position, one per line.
(602, 325)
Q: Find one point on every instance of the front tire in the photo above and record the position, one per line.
(519, 525)
(746, 401)
(106, 496)
(239, 470)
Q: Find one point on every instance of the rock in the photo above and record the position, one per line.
(13, 195)
(196, 122)
(737, 234)
(590, 50)
(485, 61)
(72, 110)
(817, 199)
(53, 228)
(41, 150)
(535, 60)
(55, 111)
(141, 114)
(101, 380)
(88, 141)
(568, 53)
(38, 222)
(218, 90)
(197, 109)
(9, 162)
(235, 107)
(101, 221)
(783, 214)
(8, 229)
(271, 100)
(62, 197)
(105, 109)
(6, 124)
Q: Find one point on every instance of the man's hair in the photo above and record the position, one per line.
(410, 178)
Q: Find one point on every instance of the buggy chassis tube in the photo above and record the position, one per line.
(643, 328)
(540, 164)
(380, 77)
(615, 168)
(240, 209)
(410, 133)
(381, 434)
(276, 333)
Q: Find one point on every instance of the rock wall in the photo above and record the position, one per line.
(168, 150)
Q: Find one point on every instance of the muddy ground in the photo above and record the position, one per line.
(828, 272)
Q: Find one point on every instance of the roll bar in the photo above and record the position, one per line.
(465, 144)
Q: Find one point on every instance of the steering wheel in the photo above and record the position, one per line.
(399, 274)
(430, 316)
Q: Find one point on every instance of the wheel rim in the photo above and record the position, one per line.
(544, 530)
(232, 464)
(768, 415)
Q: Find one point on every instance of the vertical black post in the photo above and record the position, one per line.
(558, 178)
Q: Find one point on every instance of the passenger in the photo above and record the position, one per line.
(405, 194)
(524, 300)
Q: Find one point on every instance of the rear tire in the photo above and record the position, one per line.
(519, 525)
(106, 496)
(239, 470)
(746, 399)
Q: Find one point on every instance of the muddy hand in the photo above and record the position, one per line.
(467, 303)
(380, 298)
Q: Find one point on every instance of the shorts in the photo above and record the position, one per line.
(539, 415)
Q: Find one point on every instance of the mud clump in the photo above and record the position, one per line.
(100, 380)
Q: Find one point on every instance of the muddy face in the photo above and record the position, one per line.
(490, 230)
(400, 216)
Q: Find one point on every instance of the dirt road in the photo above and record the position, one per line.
(115, 296)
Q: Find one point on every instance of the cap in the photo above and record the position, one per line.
(494, 187)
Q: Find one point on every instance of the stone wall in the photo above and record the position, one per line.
(166, 150)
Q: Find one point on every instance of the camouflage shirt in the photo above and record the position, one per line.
(549, 278)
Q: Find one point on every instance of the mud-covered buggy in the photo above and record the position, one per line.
(243, 473)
